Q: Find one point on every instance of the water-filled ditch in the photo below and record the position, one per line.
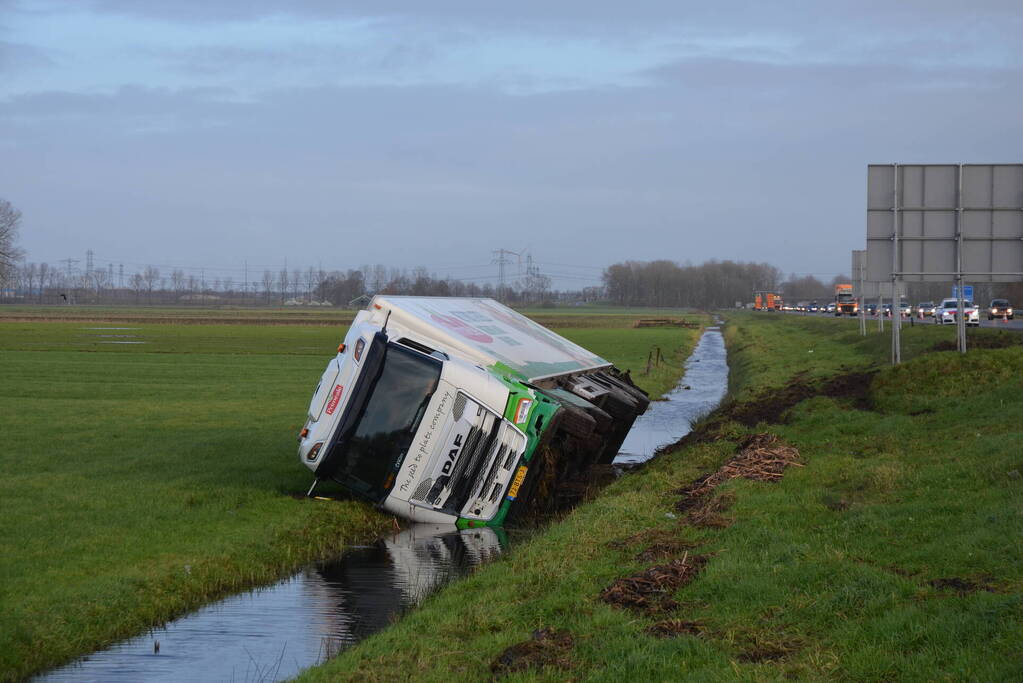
(273, 633)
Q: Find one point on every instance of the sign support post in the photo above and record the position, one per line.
(960, 323)
(863, 299)
(859, 269)
(896, 293)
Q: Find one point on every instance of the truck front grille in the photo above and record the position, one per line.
(469, 479)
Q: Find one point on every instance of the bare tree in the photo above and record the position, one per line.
(45, 278)
(29, 278)
(137, 282)
(282, 281)
(379, 279)
(101, 280)
(10, 220)
(268, 285)
(178, 281)
(151, 275)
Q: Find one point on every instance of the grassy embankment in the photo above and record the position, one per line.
(893, 552)
(141, 480)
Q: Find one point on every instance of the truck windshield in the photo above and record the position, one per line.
(387, 422)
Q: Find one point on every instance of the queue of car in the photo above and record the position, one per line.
(942, 313)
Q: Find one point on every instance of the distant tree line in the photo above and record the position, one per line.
(713, 284)
(342, 287)
(47, 283)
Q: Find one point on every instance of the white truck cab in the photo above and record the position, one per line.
(430, 408)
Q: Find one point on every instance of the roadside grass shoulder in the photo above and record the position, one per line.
(143, 480)
(891, 552)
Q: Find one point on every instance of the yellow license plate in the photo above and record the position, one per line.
(520, 476)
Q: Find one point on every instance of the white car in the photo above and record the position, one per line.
(946, 312)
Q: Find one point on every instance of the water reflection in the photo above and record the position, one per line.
(700, 391)
(275, 632)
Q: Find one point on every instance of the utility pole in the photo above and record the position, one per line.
(69, 263)
(532, 276)
(501, 259)
(120, 276)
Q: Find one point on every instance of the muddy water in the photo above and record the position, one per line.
(273, 633)
(700, 391)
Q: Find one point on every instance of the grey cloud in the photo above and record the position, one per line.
(821, 78)
(733, 13)
(655, 171)
(225, 59)
(19, 56)
(760, 156)
(127, 101)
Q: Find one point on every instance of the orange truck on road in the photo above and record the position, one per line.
(845, 303)
(767, 301)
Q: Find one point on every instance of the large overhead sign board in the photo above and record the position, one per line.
(941, 222)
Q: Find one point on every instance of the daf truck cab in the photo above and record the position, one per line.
(434, 409)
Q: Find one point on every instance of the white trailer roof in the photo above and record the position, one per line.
(492, 333)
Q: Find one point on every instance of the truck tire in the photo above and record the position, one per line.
(592, 445)
(620, 405)
(575, 421)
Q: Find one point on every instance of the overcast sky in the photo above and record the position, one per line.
(333, 134)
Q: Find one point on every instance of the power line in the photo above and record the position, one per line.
(501, 260)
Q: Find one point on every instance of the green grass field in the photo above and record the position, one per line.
(892, 553)
(142, 480)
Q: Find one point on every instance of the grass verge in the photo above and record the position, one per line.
(144, 479)
(866, 530)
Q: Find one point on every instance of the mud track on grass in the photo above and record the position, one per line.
(547, 648)
(650, 590)
(770, 405)
(1002, 339)
(761, 457)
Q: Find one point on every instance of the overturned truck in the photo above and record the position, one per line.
(462, 411)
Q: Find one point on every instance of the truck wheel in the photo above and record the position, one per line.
(620, 405)
(575, 422)
(591, 445)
